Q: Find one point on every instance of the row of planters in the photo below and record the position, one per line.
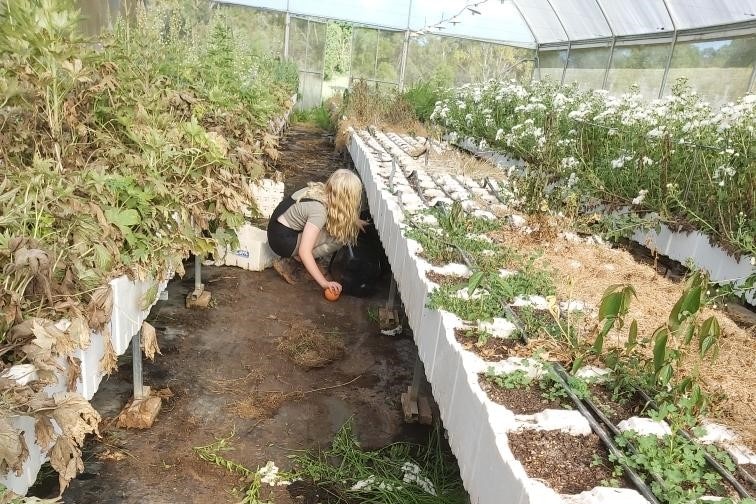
(620, 160)
(522, 297)
(121, 155)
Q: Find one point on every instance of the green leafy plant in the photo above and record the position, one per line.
(514, 380)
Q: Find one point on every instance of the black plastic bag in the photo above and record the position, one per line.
(360, 267)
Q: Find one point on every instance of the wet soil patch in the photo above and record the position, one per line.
(616, 410)
(521, 401)
(565, 462)
(494, 349)
(307, 492)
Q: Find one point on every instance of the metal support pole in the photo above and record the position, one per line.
(197, 273)
(287, 28)
(391, 300)
(403, 64)
(136, 365)
(417, 379)
(567, 62)
(405, 49)
(609, 63)
(753, 78)
(671, 50)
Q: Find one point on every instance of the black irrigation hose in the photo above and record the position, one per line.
(646, 492)
(711, 460)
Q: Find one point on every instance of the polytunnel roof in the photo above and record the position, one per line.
(525, 22)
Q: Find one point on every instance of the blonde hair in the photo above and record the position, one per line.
(342, 196)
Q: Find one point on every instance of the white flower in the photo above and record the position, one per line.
(569, 163)
(641, 196)
(499, 134)
(753, 259)
(647, 161)
(483, 145)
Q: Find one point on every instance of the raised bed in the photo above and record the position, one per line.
(130, 310)
(126, 319)
(494, 444)
(478, 427)
(679, 246)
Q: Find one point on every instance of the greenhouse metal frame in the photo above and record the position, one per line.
(561, 33)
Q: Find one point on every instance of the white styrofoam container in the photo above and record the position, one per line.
(476, 426)
(126, 319)
(253, 252)
(679, 246)
(267, 194)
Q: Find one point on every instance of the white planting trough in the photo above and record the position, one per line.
(126, 319)
(477, 427)
(679, 246)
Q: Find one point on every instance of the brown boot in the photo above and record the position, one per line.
(286, 268)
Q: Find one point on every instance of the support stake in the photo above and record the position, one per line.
(136, 365)
(199, 297)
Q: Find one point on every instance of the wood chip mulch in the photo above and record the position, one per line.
(522, 401)
(563, 461)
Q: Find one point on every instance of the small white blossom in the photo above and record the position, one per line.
(641, 196)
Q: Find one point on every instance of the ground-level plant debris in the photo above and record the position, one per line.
(398, 473)
(120, 155)
(345, 473)
(309, 346)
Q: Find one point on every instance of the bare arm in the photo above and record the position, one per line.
(309, 237)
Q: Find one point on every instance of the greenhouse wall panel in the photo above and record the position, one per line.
(720, 70)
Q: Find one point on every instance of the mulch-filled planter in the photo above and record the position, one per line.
(521, 401)
(616, 411)
(567, 463)
(494, 349)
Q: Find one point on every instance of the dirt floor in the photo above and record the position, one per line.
(228, 375)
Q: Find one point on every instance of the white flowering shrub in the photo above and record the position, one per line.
(675, 156)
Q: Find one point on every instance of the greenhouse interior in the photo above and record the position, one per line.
(365, 251)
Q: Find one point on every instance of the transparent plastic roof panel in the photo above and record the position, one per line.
(542, 20)
(700, 13)
(582, 19)
(637, 17)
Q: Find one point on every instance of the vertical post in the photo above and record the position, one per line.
(567, 62)
(753, 78)
(287, 27)
(403, 64)
(671, 50)
(405, 49)
(375, 62)
(197, 273)
(417, 376)
(609, 63)
(136, 365)
(351, 57)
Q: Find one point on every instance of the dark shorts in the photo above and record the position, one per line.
(282, 239)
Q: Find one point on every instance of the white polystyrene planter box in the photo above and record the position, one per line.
(477, 427)
(126, 319)
(253, 252)
(267, 194)
(679, 246)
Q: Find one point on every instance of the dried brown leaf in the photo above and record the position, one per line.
(73, 373)
(79, 333)
(75, 416)
(149, 341)
(13, 450)
(44, 431)
(65, 457)
(100, 307)
(109, 361)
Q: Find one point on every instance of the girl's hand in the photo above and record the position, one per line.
(334, 286)
(362, 223)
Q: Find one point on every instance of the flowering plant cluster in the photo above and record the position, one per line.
(676, 157)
